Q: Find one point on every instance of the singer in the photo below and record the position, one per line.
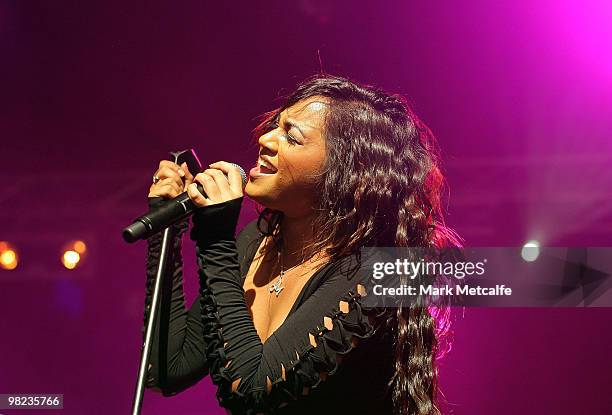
(279, 325)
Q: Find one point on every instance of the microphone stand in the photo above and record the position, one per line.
(189, 157)
(168, 235)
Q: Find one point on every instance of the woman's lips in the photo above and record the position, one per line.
(260, 171)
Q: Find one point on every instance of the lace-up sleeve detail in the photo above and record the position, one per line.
(254, 377)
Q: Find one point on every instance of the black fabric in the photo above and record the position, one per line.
(178, 362)
(346, 372)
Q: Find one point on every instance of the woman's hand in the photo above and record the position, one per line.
(170, 183)
(217, 186)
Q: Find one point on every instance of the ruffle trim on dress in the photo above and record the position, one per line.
(153, 254)
(320, 356)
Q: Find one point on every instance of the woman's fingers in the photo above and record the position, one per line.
(170, 183)
(210, 187)
(195, 195)
(234, 177)
(188, 176)
(167, 188)
(221, 183)
(167, 172)
(172, 165)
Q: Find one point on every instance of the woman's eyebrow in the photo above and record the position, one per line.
(290, 123)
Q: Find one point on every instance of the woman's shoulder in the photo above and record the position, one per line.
(247, 242)
(248, 233)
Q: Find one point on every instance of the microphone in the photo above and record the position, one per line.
(166, 215)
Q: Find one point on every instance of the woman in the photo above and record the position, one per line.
(279, 324)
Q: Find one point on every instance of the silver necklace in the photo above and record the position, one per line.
(277, 287)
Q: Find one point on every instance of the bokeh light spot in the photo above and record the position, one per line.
(9, 259)
(530, 251)
(70, 259)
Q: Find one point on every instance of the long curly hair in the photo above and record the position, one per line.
(380, 185)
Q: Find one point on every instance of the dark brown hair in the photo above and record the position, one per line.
(380, 186)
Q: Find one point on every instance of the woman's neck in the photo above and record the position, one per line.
(296, 233)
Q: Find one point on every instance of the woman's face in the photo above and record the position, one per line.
(290, 155)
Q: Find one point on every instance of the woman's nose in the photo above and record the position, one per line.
(269, 141)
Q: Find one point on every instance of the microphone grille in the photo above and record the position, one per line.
(242, 174)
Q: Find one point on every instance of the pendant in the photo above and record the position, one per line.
(277, 287)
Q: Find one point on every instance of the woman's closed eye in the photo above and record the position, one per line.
(290, 138)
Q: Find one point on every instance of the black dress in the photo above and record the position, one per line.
(347, 371)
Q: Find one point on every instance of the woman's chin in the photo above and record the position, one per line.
(251, 190)
(256, 193)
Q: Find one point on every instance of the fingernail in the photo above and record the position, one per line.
(181, 173)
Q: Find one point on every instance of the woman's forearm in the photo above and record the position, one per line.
(177, 358)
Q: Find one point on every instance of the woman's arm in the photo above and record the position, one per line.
(177, 357)
(308, 347)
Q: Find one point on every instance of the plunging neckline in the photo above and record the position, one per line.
(250, 255)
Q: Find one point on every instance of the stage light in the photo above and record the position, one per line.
(530, 251)
(71, 259)
(9, 259)
(79, 246)
(73, 253)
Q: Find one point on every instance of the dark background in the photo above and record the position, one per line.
(94, 94)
